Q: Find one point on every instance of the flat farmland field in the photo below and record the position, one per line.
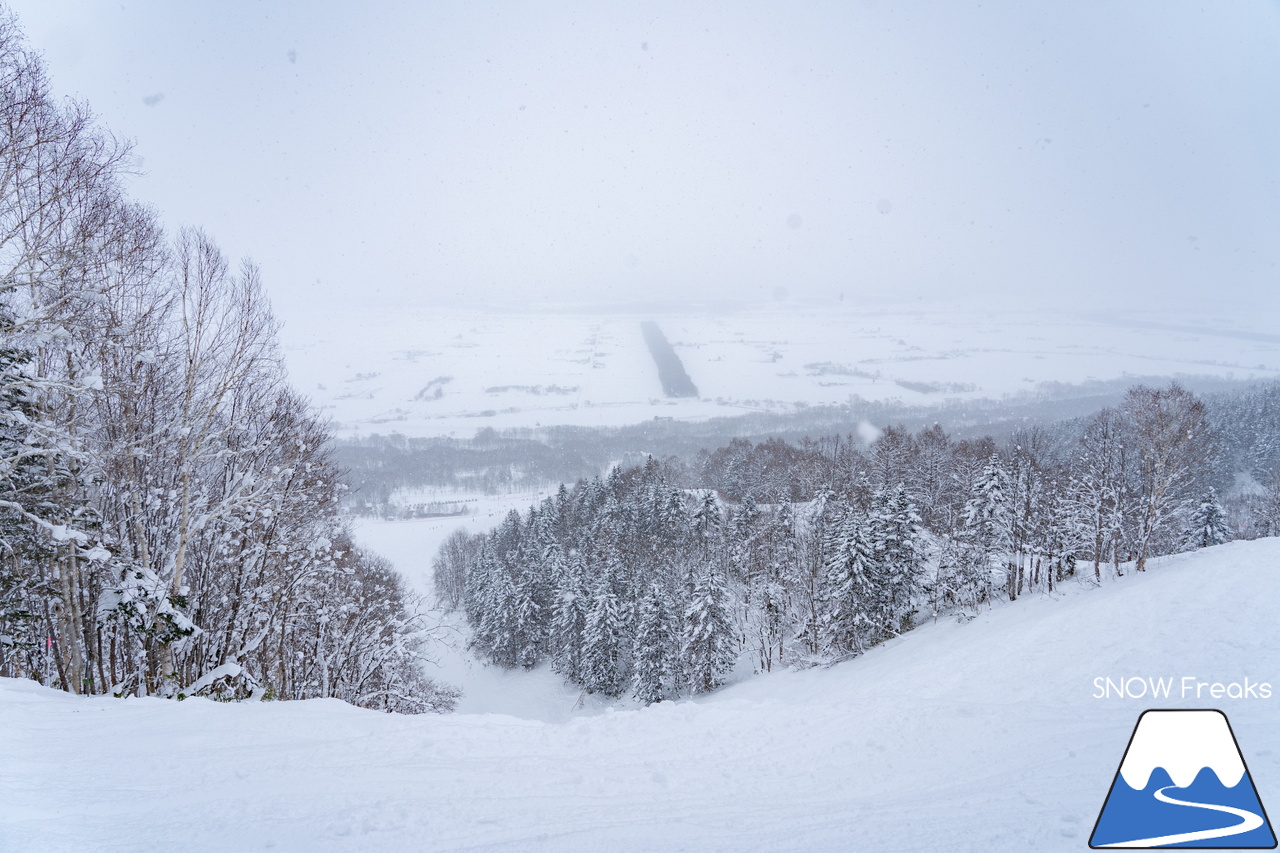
(452, 372)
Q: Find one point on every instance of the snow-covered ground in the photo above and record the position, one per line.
(982, 736)
(411, 545)
(450, 372)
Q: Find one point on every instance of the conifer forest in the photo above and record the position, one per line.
(656, 577)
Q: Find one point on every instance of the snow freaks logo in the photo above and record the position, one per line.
(1183, 783)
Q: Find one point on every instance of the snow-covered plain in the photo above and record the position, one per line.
(451, 372)
(982, 736)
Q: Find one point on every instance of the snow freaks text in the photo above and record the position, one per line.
(1178, 687)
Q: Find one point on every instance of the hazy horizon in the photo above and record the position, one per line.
(1094, 156)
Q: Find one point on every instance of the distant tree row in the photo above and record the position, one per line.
(168, 508)
(1119, 485)
(654, 580)
(381, 469)
(388, 473)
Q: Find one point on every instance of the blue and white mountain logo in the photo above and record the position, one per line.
(1183, 783)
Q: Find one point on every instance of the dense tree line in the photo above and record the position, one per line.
(1249, 443)
(623, 583)
(632, 584)
(655, 579)
(168, 506)
(384, 471)
(379, 466)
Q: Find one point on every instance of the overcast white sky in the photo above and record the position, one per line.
(1089, 153)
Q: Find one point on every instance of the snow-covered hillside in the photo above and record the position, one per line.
(982, 736)
(438, 372)
(410, 545)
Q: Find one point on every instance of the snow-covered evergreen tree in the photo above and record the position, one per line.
(986, 513)
(898, 547)
(987, 516)
(653, 648)
(1207, 523)
(708, 517)
(960, 580)
(773, 591)
(498, 632)
(569, 619)
(852, 596)
(28, 512)
(603, 660)
(529, 622)
(708, 640)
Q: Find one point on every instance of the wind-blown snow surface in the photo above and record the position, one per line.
(982, 736)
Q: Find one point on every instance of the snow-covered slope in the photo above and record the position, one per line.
(983, 736)
(411, 545)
